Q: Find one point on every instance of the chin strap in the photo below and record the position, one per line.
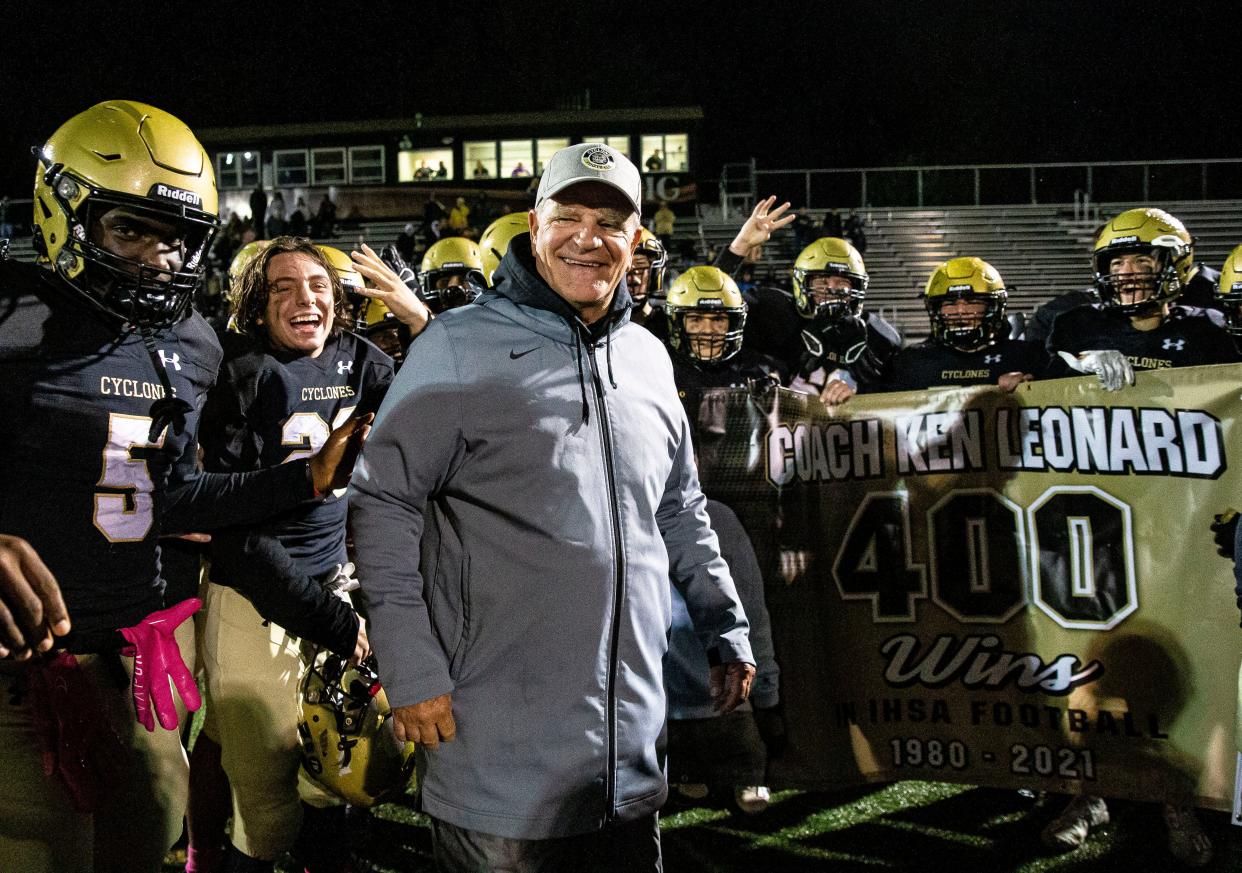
(169, 409)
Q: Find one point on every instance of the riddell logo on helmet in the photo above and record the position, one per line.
(961, 288)
(167, 192)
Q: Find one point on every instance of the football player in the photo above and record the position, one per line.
(705, 316)
(451, 274)
(1229, 295)
(1198, 281)
(969, 344)
(292, 372)
(645, 281)
(106, 370)
(845, 348)
(1139, 259)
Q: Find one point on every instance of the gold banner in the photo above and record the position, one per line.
(1014, 590)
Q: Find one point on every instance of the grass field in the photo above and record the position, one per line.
(918, 826)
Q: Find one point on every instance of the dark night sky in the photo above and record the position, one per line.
(792, 84)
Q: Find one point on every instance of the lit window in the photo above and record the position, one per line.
(237, 169)
(516, 157)
(480, 158)
(545, 149)
(620, 143)
(425, 165)
(665, 153)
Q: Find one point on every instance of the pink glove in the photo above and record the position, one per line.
(157, 660)
(77, 741)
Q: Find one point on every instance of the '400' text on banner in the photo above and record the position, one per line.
(1000, 589)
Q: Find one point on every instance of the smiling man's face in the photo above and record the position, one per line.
(299, 312)
(582, 239)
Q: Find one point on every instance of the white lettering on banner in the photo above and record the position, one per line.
(974, 662)
(1110, 440)
(836, 451)
(940, 442)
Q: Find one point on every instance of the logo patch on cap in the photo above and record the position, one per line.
(598, 159)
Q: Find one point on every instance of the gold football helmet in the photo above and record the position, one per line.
(705, 292)
(1229, 291)
(451, 274)
(348, 744)
(970, 279)
(129, 156)
(1142, 231)
(829, 256)
(649, 247)
(496, 238)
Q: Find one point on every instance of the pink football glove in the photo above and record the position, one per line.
(157, 660)
(77, 741)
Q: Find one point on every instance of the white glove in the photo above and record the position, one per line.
(1110, 365)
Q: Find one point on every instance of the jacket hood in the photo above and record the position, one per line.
(518, 279)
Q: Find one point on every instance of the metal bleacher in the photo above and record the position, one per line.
(1040, 250)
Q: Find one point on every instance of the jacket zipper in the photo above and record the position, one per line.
(614, 642)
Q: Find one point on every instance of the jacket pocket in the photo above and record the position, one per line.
(457, 655)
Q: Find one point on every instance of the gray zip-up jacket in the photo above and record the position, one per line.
(552, 467)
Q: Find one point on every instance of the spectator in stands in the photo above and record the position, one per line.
(459, 217)
(665, 222)
(433, 210)
(854, 232)
(845, 348)
(276, 215)
(969, 344)
(746, 278)
(442, 171)
(520, 171)
(480, 171)
(6, 226)
(423, 173)
(258, 211)
(1198, 281)
(324, 224)
(804, 231)
(654, 163)
(832, 224)
(298, 221)
(1138, 258)
(406, 243)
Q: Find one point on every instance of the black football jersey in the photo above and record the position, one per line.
(932, 364)
(270, 408)
(737, 372)
(1186, 338)
(871, 371)
(84, 482)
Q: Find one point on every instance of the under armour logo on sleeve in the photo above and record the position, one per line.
(991, 359)
(173, 359)
(1177, 344)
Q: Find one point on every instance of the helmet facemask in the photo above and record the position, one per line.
(134, 291)
(829, 305)
(1231, 303)
(1162, 285)
(968, 333)
(438, 291)
(707, 346)
(652, 284)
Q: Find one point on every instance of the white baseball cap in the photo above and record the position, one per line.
(591, 162)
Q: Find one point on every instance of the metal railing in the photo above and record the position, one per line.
(999, 184)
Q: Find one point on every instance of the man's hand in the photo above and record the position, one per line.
(332, 465)
(1110, 365)
(32, 610)
(729, 685)
(759, 227)
(391, 290)
(427, 722)
(1224, 532)
(836, 392)
(1009, 382)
